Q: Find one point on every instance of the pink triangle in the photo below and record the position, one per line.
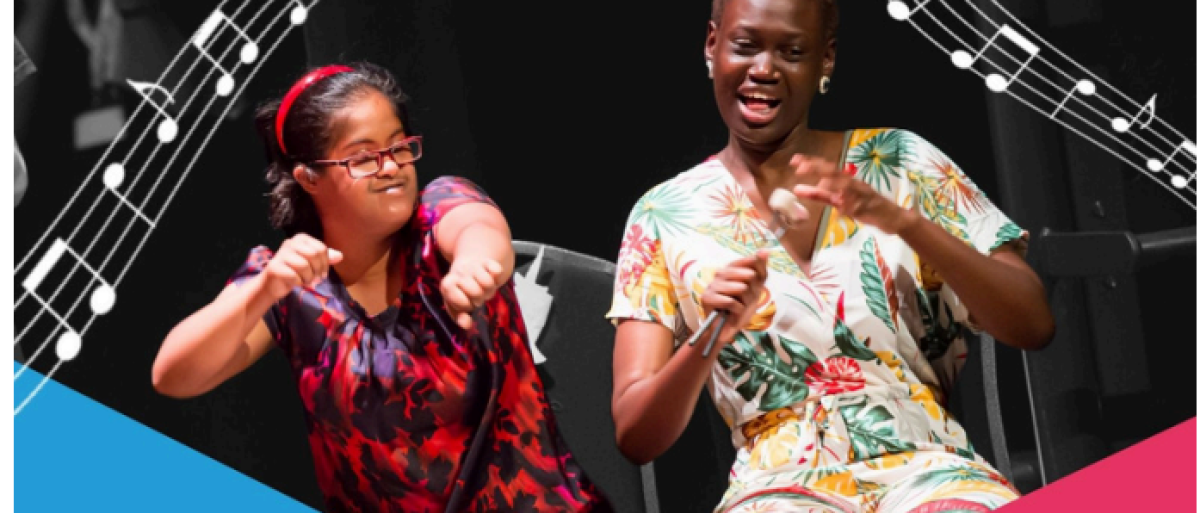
(1158, 474)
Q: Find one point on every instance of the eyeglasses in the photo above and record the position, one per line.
(369, 163)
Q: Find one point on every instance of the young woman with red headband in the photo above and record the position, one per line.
(395, 309)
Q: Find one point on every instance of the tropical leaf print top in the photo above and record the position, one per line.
(869, 325)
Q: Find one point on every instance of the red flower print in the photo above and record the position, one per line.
(637, 251)
(834, 376)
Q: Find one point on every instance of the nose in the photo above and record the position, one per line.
(389, 169)
(764, 69)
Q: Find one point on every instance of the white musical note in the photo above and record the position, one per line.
(1085, 87)
(1122, 125)
(248, 54)
(995, 81)
(1179, 181)
(114, 176)
(900, 11)
(299, 14)
(167, 128)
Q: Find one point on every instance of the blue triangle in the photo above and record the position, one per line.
(73, 454)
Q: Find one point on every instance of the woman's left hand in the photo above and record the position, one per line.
(470, 283)
(852, 197)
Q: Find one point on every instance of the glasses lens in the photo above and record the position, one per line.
(407, 152)
(363, 165)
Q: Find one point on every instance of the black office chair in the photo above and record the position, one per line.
(577, 342)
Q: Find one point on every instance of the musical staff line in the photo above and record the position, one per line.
(297, 15)
(1033, 34)
(112, 213)
(1057, 88)
(104, 158)
(1143, 168)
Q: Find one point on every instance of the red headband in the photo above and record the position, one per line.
(297, 88)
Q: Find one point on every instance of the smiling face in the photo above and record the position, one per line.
(768, 58)
(378, 205)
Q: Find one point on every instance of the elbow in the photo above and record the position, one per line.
(1041, 334)
(168, 385)
(633, 448)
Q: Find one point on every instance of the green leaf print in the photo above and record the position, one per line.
(849, 344)
(957, 473)
(755, 362)
(871, 430)
(941, 210)
(878, 158)
(872, 283)
(1008, 232)
(780, 261)
(664, 210)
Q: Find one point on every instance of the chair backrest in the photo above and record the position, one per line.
(577, 343)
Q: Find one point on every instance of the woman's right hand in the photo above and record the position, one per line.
(300, 261)
(736, 289)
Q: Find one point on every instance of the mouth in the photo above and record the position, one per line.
(758, 108)
(392, 188)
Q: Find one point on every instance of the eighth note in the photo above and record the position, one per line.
(995, 81)
(167, 129)
(1085, 87)
(1122, 125)
(1179, 181)
(249, 50)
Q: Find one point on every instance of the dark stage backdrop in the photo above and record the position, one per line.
(566, 114)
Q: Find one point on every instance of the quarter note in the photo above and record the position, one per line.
(299, 13)
(248, 54)
(1085, 87)
(995, 81)
(900, 11)
(167, 128)
(1123, 125)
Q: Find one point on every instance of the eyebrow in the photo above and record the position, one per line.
(366, 141)
(794, 34)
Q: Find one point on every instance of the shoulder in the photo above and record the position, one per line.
(690, 181)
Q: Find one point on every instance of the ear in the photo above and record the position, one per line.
(305, 177)
(830, 57)
(710, 41)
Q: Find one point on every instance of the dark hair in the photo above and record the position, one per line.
(308, 131)
(829, 7)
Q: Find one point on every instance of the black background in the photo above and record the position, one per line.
(566, 113)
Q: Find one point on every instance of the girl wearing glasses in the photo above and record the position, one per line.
(395, 309)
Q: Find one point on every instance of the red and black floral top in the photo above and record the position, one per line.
(407, 411)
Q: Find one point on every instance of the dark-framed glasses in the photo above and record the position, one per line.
(367, 163)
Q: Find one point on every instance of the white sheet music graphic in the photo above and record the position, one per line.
(995, 81)
(75, 260)
(248, 54)
(1085, 87)
(167, 128)
(900, 11)
(1121, 124)
(1033, 72)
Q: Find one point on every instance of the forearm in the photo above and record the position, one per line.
(209, 341)
(1004, 300)
(484, 240)
(651, 412)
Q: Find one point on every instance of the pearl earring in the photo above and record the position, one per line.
(709, 64)
(824, 86)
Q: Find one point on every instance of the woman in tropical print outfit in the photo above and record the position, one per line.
(844, 334)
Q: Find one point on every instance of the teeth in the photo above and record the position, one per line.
(758, 96)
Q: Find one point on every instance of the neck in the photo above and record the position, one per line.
(363, 258)
(770, 164)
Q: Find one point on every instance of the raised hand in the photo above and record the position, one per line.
(470, 283)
